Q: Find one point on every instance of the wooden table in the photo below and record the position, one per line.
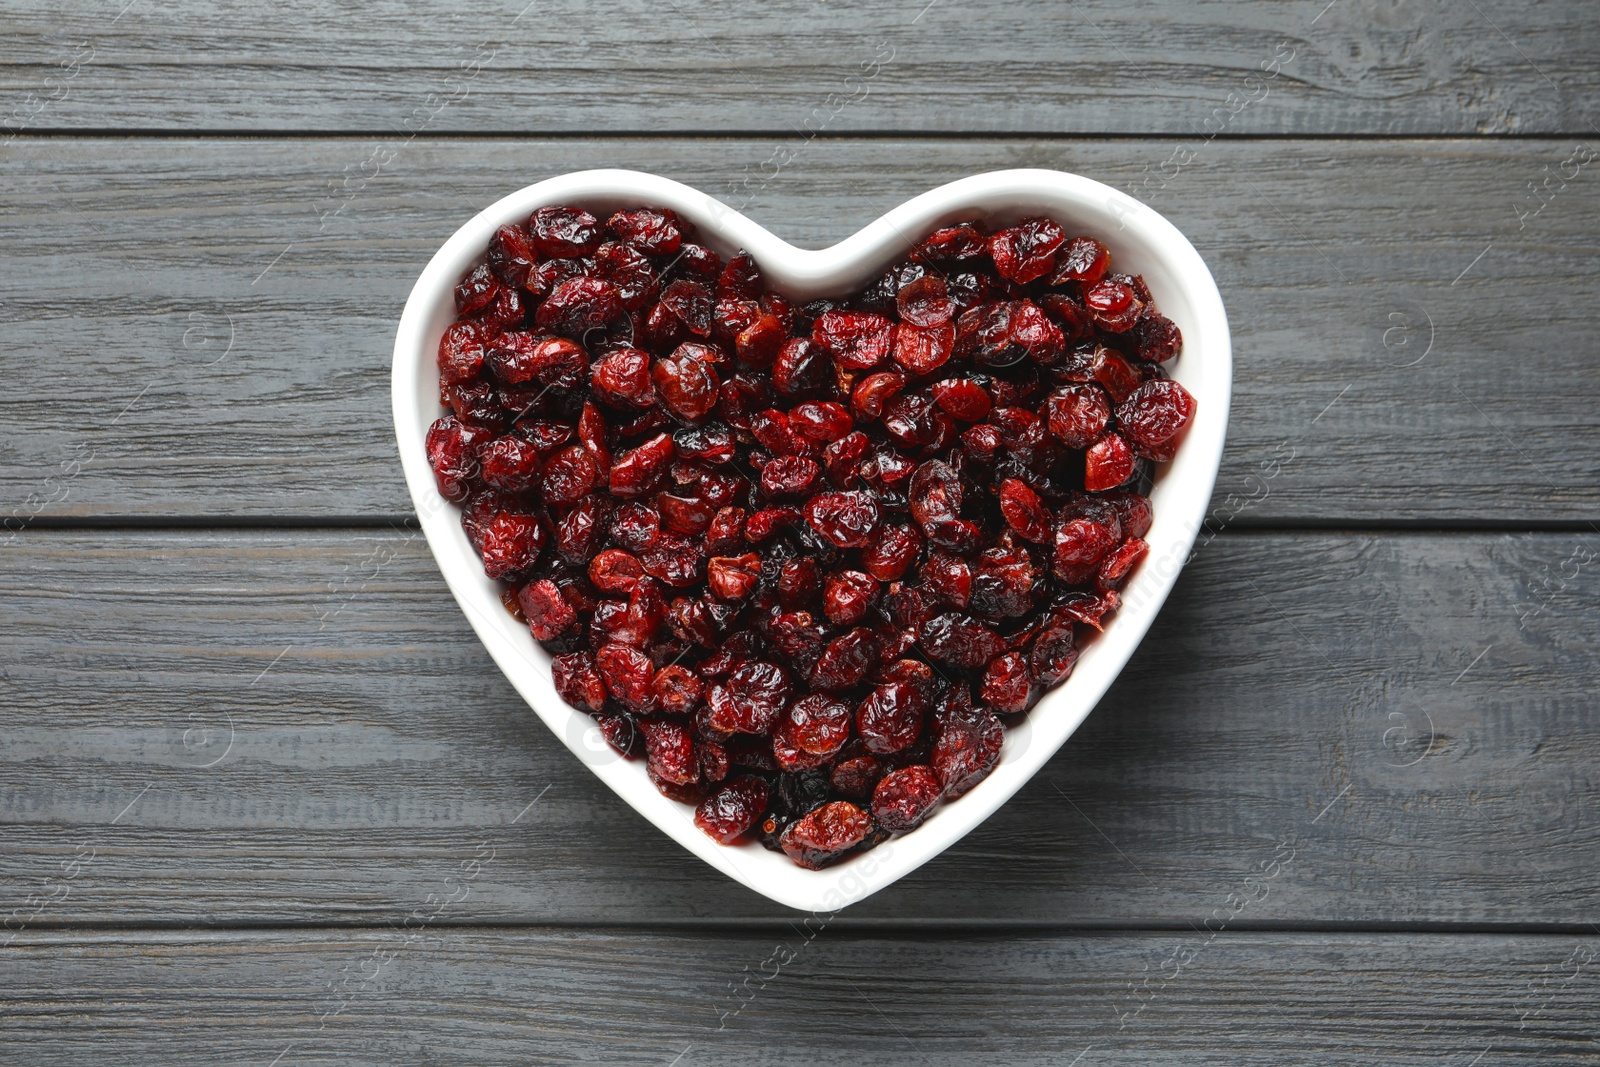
(267, 801)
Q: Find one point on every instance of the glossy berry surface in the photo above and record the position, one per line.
(801, 559)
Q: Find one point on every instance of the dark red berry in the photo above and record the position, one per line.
(732, 810)
(906, 797)
(824, 834)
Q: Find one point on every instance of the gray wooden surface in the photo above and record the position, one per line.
(265, 799)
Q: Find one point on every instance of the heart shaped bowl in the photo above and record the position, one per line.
(1141, 242)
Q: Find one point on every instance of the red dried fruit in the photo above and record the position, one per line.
(857, 340)
(855, 778)
(732, 810)
(960, 641)
(846, 660)
(962, 398)
(674, 560)
(923, 350)
(641, 470)
(461, 353)
(579, 305)
(1112, 305)
(789, 476)
(1113, 371)
(678, 690)
(578, 681)
(1155, 413)
(846, 597)
(1083, 259)
(1118, 563)
(653, 230)
(508, 541)
(547, 611)
(628, 675)
(733, 577)
(750, 700)
(477, 289)
(564, 231)
(510, 463)
(1108, 463)
(1008, 684)
(1026, 252)
(844, 520)
(686, 384)
(1077, 414)
(670, 749)
(622, 378)
(904, 798)
(890, 719)
(453, 448)
(568, 477)
(824, 834)
(890, 552)
(1024, 512)
(966, 748)
(811, 732)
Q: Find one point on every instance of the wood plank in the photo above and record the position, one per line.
(809, 995)
(299, 727)
(182, 324)
(1091, 66)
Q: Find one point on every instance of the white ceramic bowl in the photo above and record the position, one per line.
(1141, 242)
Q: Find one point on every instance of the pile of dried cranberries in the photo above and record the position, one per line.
(804, 557)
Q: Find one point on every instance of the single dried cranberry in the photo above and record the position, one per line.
(1156, 338)
(820, 421)
(578, 681)
(935, 493)
(652, 230)
(923, 350)
(1026, 252)
(1155, 413)
(453, 448)
(962, 398)
(857, 340)
(615, 571)
(824, 834)
(510, 463)
(904, 798)
(579, 305)
(562, 231)
(1117, 564)
(953, 244)
(641, 470)
(1108, 463)
(1054, 653)
(568, 477)
(1112, 305)
(847, 595)
(810, 733)
(461, 353)
(874, 391)
(628, 676)
(508, 541)
(844, 520)
(686, 384)
(1083, 259)
(728, 813)
(960, 641)
(800, 368)
(1077, 414)
(684, 514)
(547, 611)
(670, 748)
(751, 699)
(477, 289)
(1113, 371)
(674, 560)
(789, 476)
(890, 719)
(622, 378)
(947, 577)
(1008, 684)
(890, 552)
(678, 690)
(925, 302)
(1024, 512)
(966, 748)
(733, 577)
(846, 660)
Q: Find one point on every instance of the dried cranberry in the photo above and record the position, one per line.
(562, 231)
(824, 834)
(453, 448)
(1108, 463)
(1155, 413)
(751, 699)
(890, 719)
(651, 230)
(844, 520)
(857, 340)
(960, 641)
(1026, 252)
(578, 681)
(966, 748)
(904, 798)
(732, 810)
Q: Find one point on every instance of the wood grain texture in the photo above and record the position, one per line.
(207, 325)
(1088, 66)
(300, 728)
(808, 997)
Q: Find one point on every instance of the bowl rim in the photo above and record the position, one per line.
(1183, 288)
